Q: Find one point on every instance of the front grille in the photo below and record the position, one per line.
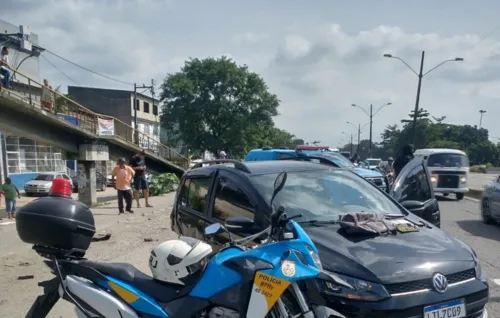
(422, 284)
(377, 181)
(448, 181)
(474, 306)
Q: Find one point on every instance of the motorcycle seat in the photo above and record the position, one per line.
(127, 273)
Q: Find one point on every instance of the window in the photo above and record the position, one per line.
(194, 194)
(284, 155)
(448, 160)
(416, 186)
(44, 177)
(155, 110)
(231, 201)
(137, 104)
(68, 178)
(146, 107)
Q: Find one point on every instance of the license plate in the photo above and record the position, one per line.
(451, 309)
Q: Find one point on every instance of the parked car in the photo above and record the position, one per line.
(411, 274)
(370, 163)
(100, 180)
(42, 183)
(336, 158)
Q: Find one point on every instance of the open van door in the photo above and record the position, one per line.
(413, 190)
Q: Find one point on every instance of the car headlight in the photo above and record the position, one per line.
(433, 179)
(315, 257)
(477, 268)
(463, 179)
(361, 289)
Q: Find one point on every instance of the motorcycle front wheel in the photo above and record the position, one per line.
(291, 306)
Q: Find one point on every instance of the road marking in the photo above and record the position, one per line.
(496, 281)
(7, 223)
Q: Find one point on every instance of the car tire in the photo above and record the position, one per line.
(104, 186)
(28, 194)
(445, 194)
(460, 196)
(486, 212)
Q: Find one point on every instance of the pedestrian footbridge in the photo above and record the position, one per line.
(70, 125)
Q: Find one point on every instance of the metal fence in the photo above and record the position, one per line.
(37, 95)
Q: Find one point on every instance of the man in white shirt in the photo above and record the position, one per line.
(4, 61)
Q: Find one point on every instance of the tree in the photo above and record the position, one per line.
(214, 104)
(61, 101)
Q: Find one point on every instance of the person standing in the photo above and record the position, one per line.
(405, 157)
(47, 96)
(138, 163)
(4, 67)
(123, 175)
(11, 194)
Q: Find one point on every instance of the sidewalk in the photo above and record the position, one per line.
(102, 196)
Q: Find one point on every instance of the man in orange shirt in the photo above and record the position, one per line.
(123, 175)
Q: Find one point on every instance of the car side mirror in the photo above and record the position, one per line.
(415, 207)
(214, 229)
(239, 223)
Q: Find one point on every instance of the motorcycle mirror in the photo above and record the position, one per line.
(213, 229)
(279, 183)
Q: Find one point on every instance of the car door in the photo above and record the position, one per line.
(492, 191)
(413, 190)
(191, 206)
(231, 197)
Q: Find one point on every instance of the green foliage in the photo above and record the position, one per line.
(162, 184)
(214, 104)
(61, 101)
(433, 132)
(478, 169)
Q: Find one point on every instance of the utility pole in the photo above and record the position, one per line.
(417, 100)
(371, 130)
(351, 143)
(136, 128)
(359, 137)
(481, 112)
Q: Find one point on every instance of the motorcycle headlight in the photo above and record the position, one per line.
(361, 289)
(315, 257)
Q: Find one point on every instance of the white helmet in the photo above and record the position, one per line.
(179, 261)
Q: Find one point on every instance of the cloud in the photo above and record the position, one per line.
(317, 69)
(251, 37)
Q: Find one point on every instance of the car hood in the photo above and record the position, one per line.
(366, 173)
(39, 182)
(392, 258)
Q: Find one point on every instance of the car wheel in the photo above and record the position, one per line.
(460, 196)
(28, 194)
(486, 212)
(104, 186)
(445, 194)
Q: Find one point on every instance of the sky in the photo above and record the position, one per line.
(319, 57)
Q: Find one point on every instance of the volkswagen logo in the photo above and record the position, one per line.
(440, 283)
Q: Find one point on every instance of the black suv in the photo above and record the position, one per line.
(415, 274)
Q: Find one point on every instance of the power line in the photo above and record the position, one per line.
(485, 37)
(88, 70)
(46, 59)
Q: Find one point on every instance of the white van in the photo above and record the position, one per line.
(449, 170)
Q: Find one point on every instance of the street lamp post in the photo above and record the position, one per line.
(481, 112)
(370, 115)
(420, 75)
(359, 128)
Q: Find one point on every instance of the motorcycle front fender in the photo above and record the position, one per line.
(325, 312)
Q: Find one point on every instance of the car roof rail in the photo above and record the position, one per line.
(311, 158)
(267, 148)
(237, 164)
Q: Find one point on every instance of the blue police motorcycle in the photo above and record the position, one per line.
(237, 282)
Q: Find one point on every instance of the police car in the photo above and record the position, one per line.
(267, 153)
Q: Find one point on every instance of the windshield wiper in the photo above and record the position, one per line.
(318, 222)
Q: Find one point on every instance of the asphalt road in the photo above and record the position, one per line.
(479, 180)
(459, 218)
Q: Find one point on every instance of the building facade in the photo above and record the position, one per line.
(22, 159)
(120, 105)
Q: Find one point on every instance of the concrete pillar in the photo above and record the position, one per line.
(86, 170)
(87, 182)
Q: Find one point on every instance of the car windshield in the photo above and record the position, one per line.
(373, 162)
(44, 177)
(447, 160)
(324, 195)
(339, 160)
